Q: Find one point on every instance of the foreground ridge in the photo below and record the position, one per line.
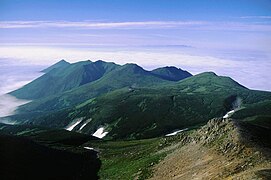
(223, 148)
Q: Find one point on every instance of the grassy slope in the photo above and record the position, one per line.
(257, 113)
(130, 159)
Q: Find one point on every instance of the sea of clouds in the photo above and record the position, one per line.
(13, 76)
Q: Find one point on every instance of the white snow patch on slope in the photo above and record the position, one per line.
(228, 114)
(176, 132)
(89, 148)
(100, 133)
(74, 124)
(87, 121)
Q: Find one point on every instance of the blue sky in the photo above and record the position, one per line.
(230, 37)
(123, 10)
(123, 22)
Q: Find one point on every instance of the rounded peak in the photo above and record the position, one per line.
(62, 60)
(171, 67)
(100, 61)
(132, 65)
(209, 73)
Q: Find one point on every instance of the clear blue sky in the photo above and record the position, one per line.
(230, 37)
(123, 10)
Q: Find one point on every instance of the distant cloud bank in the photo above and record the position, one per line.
(254, 73)
(198, 25)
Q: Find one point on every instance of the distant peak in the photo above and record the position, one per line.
(63, 61)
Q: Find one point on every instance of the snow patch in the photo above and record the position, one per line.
(74, 124)
(87, 121)
(100, 133)
(176, 132)
(89, 148)
(228, 114)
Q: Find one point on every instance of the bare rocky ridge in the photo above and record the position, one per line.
(222, 149)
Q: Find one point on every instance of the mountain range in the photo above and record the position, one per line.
(133, 108)
(128, 101)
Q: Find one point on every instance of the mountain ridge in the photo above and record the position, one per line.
(64, 76)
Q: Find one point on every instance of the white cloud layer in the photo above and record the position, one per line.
(253, 74)
(196, 25)
(255, 17)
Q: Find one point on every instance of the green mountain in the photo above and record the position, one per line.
(144, 112)
(136, 110)
(171, 73)
(62, 77)
(128, 75)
